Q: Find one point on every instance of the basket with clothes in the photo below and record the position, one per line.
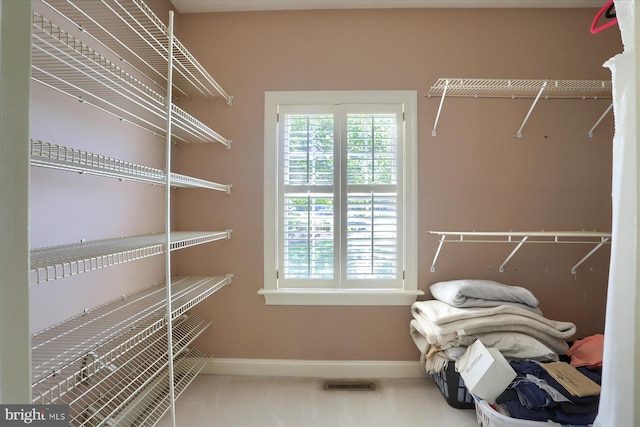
(501, 316)
(537, 395)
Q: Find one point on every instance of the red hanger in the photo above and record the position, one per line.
(606, 9)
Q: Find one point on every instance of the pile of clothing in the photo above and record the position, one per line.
(537, 396)
(501, 316)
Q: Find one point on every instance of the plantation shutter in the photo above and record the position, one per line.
(340, 199)
(372, 196)
(309, 202)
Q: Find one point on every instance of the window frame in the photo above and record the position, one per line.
(273, 292)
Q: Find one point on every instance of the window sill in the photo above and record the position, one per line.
(339, 297)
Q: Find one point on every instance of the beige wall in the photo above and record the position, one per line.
(472, 176)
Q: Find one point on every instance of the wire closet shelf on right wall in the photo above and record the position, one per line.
(521, 88)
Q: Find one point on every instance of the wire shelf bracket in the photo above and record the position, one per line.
(596, 238)
(593, 128)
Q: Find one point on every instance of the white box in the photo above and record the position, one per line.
(485, 371)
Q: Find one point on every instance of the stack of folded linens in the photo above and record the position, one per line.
(502, 316)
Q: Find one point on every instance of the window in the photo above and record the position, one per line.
(340, 198)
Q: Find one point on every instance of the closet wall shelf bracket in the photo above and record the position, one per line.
(590, 133)
(574, 269)
(519, 88)
(526, 118)
(444, 94)
(521, 238)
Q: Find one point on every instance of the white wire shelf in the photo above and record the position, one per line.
(56, 262)
(131, 30)
(521, 88)
(519, 238)
(45, 154)
(121, 390)
(64, 63)
(66, 354)
(154, 402)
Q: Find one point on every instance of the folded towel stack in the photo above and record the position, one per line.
(501, 316)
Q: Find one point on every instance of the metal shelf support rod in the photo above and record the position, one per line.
(168, 219)
(574, 269)
(590, 133)
(444, 93)
(535, 101)
(513, 252)
(435, 258)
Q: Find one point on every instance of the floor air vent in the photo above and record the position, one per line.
(349, 385)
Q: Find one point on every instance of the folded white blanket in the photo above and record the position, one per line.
(482, 293)
(441, 313)
(516, 345)
(448, 326)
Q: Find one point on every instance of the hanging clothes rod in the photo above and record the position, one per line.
(518, 88)
(520, 238)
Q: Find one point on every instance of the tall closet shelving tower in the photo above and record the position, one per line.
(113, 363)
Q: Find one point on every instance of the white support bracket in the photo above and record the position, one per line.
(435, 258)
(574, 269)
(535, 101)
(444, 94)
(513, 252)
(590, 133)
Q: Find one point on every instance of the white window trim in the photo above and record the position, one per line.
(278, 296)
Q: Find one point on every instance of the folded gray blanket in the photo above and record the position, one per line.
(516, 345)
(483, 293)
(448, 326)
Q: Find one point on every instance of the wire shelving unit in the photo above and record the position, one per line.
(126, 388)
(65, 355)
(65, 63)
(126, 361)
(131, 30)
(521, 88)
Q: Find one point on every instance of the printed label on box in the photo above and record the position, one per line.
(485, 371)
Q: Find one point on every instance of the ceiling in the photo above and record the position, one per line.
(201, 6)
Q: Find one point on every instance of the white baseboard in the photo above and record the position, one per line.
(314, 368)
